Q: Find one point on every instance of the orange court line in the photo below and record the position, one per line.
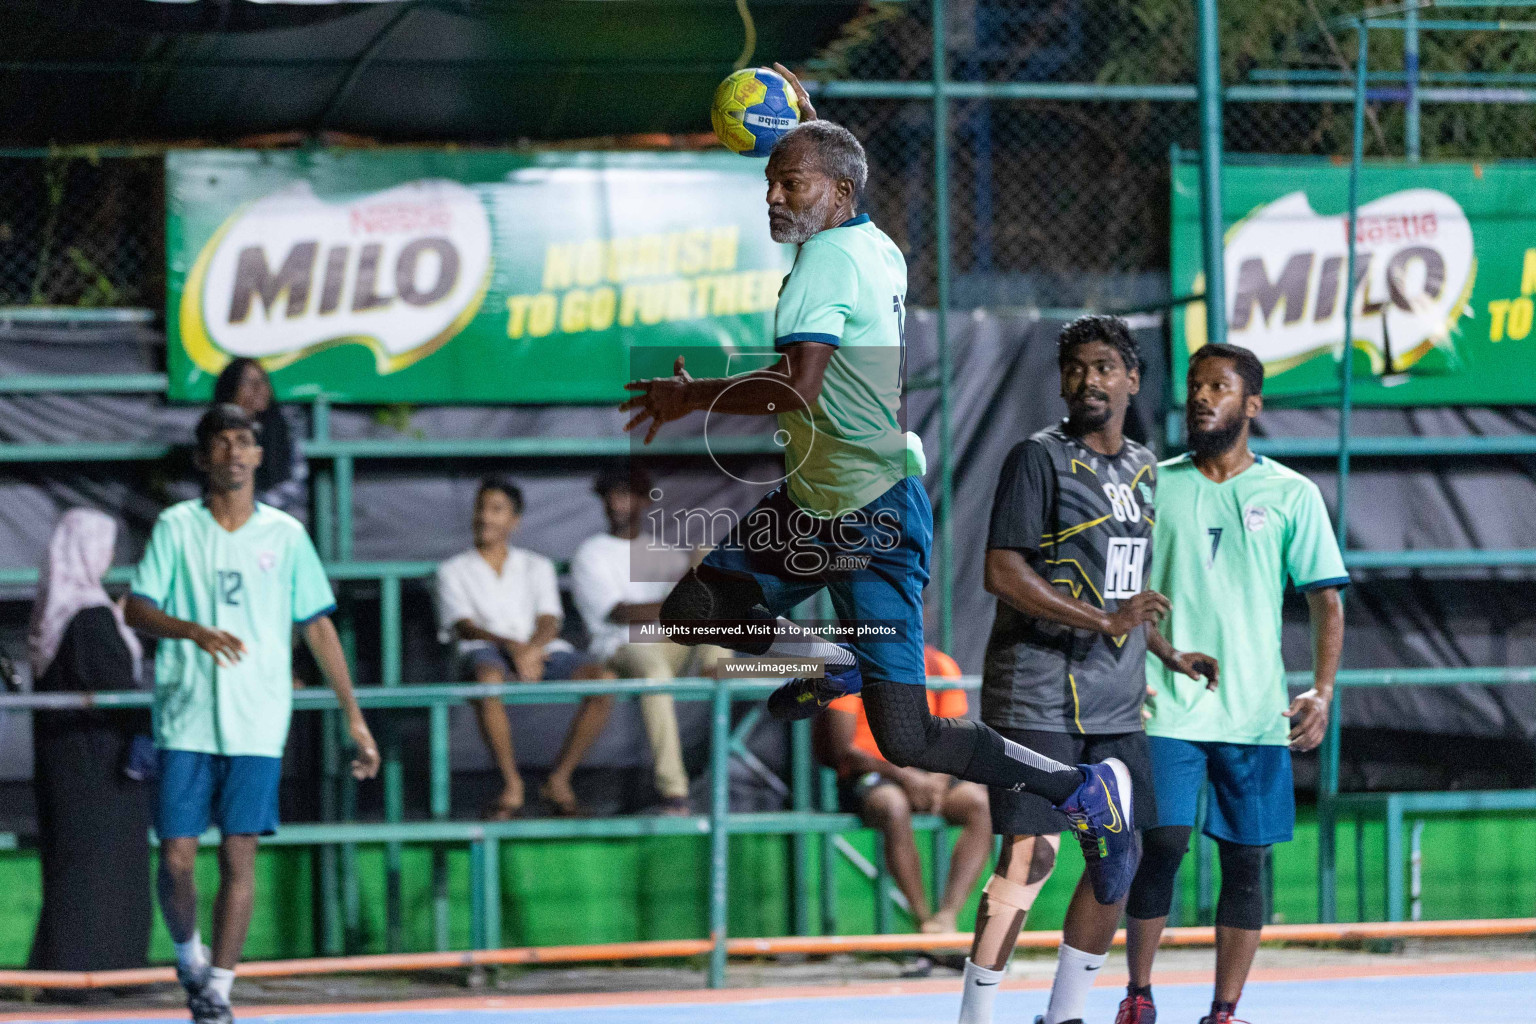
(816, 945)
(681, 997)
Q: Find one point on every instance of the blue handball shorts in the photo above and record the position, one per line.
(1253, 798)
(238, 794)
(873, 562)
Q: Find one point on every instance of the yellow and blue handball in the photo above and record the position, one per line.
(753, 107)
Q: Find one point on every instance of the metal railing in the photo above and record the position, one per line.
(484, 838)
(800, 822)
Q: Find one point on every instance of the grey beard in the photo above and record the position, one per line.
(802, 228)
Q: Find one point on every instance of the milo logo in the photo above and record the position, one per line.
(1286, 265)
(399, 271)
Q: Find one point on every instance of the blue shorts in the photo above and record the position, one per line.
(1253, 798)
(238, 794)
(873, 562)
(558, 665)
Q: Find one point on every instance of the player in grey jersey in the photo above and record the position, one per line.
(1068, 551)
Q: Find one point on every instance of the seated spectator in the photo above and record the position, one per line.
(618, 581)
(93, 818)
(500, 606)
(283, 471)
(886, 797)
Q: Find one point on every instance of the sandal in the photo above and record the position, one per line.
(569, 807)
(502, 810)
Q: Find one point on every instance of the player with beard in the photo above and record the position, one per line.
(1232, 528)
(852, 515)
(1068, 552)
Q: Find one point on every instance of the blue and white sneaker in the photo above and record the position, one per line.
(802, 698)
(209, 1007)
(195, 979)
(1100, 814)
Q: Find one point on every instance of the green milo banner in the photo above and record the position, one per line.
(437, 276)
(1445, 271)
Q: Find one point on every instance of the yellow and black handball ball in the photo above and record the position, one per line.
(753, 107)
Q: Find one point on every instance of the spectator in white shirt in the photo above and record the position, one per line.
(618, 582)
(500, 606)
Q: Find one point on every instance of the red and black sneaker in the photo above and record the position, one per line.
(1136, 1009)
(1221, 1017)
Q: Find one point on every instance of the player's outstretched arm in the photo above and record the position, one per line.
(142, 615)
(796, 377)
(323, 642)
(1309, 711)
(1009, 577)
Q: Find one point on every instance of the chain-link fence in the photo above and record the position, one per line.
(1059, 198)
(81, 230)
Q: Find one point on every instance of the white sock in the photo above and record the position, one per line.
(980, 993)
(189, 954)
(792, 641)
(221, 981)
(1075, 974)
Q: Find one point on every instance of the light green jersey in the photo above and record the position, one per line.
(1222, 554)
(849, 289)
(255, 583)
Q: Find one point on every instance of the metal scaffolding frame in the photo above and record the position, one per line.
(336, 462)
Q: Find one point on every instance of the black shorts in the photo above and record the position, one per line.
(1028, 814)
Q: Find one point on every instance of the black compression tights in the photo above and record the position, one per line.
(908, 734)
(911, 736)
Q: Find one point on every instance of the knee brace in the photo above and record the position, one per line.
(1008, 892)
(1152, 890)
(1241, 903)
(1004, 892)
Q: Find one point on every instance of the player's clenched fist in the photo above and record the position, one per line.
(1147, 606)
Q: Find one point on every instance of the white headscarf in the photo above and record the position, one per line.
(79, 555)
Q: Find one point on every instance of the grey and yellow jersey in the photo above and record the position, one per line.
(1084, 522)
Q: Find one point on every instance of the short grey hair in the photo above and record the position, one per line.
(837, 150)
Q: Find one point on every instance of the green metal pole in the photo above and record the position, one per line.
(941, 858)
(440, 805)
(828, 795)
(946, 362)
(800, 843)
(477, 876)
(492, 884)
(1347, 358)
(1393, 842)
(351, 891)
(322, 525)
(1327, 818)
(882, 888)
(1209, 93)
(344, 476)
(1411, 82)
(719, 837)
(331, 938)
(1328, 768)
(351, 894)
(394, 788)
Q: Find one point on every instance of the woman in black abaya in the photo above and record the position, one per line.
(93, 817)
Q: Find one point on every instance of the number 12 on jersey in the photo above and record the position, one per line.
(1124, 567)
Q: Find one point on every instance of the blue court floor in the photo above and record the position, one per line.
(1486, 998)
